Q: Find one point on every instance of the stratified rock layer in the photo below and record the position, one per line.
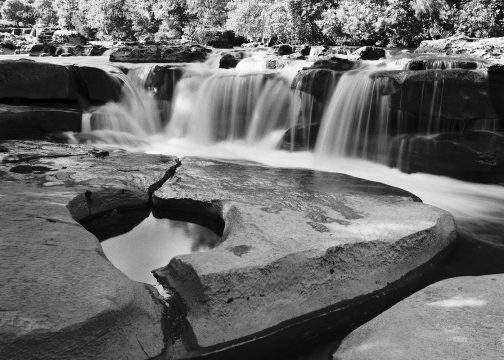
(295, 242)
(60, 296)
(160, 53)
(455, 319)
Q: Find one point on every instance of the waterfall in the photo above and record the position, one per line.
(133, 118)
(230, 105)
(355, 122)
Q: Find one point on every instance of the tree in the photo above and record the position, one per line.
(305, 16)
(45, 12)
(278, 22)
(112, 18)
(174, 17)
(248, 18)
(208, 13)
(481, 18)
(18, 11)
(67, 12)
(361, 23)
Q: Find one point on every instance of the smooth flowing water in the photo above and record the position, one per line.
(242, 114)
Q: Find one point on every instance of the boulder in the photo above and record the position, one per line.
(68, 37)
(159, 53)
(334, 63)
(59, 294)
(450, 99)
(315, 87)
(455, 319)
(28, 79)
(369, 53)
(94, 50)
(305, 50)
(31, 120)
(98, 85)
(162, 80)
(228, 61)
(296, 244)
(284, 49)
(301, 137)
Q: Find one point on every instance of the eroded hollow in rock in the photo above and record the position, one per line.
(137, 241)
(153, 243)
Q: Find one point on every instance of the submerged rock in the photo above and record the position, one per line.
(369, 53)
(296, 243)
(455, 319)
(228, 61)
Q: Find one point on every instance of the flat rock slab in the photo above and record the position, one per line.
(455, 319)
(60, 297)
(295, 243)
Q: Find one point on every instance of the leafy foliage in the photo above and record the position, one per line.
(481, 18)
(363, 22)
(19, 11)
(45, 12)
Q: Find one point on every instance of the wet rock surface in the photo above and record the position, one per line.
(457, 319)
(31, 120)
(60, 297)
(476, 156)
(295, 242)
(159, 53)
(450, 99)
(34, 80)
(491, 49)
(369, 53)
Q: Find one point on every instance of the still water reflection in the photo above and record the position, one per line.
(153, 243)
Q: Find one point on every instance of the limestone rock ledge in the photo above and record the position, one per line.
(455, 319)
(295, 243)
(60, 297)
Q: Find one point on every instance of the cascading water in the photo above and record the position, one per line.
(356, 111)
(230, 106)
(132, 119)
(364, 118)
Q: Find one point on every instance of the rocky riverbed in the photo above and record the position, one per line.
(278, 226)
(303, 253)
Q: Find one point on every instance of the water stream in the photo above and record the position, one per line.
(243, 113)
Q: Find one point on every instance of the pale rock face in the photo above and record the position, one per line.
(455, 319)
(295, 242)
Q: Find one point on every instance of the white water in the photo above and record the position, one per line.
(242, 114)
(228, 105)
(134, 117)
(356, 105)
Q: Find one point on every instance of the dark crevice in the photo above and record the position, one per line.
(167, 176)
